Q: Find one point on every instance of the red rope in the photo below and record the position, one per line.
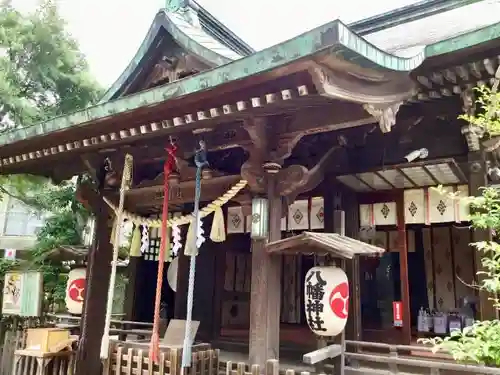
(155, 338)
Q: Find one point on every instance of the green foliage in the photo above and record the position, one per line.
(488, 104)
(7, 265)
(480, 343)
(42, 72)
(42, 75)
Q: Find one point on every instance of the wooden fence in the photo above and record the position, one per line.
(13, 337)
(131, 358)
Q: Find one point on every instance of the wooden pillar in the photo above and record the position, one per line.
(477, 180)
(98, 270)
(403, 269)
(266, 288)
(351, 208)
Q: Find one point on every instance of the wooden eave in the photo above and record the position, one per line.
(451, 74)
(275, 80)
(406, 176)
(68, 253)
(333, 244)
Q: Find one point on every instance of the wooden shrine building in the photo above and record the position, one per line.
(360, 118)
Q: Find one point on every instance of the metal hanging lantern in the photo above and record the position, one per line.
(260, 218)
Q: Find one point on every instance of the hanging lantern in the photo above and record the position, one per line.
(75, 290)
(326, 300)
(260, 218)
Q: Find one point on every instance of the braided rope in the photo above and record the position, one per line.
(164, 247)
(186, 219)
(200, 160)
(126, 181)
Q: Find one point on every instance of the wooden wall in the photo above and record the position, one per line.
(449, 260)
(237, 279)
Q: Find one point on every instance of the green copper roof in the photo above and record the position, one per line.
(419, 10)
(192, 28)
(333, 38)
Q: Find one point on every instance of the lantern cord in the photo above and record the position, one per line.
(126, 180)
(200, 160)
(168, 166)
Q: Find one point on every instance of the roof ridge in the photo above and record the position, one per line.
(217, 29)
(406, 14)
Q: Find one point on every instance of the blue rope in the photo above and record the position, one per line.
(200, 160)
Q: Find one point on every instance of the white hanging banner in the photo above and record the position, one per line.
(298, 215)
(75, 290)
(441, 206)
(415, 212)
(385, 213)
(235, 220)
(326, 292)
(317, 220)
(462, 206)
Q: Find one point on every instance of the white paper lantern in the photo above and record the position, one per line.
(75, 290)
(326, 291)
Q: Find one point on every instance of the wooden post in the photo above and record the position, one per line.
(351, 209)
(266, 289)
(477, 180)
(98, 270)
(403, 269)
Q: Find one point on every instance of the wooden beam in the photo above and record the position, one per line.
(152, 196)
(320, 355)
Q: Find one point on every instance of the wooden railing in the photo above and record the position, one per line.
(122, 328)
(377, 358)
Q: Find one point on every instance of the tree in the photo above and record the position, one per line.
(480, 343)
(43, 74)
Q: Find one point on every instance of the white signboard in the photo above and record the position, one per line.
(75, 290)
(10, 254)
(326, 300)
(22, 293)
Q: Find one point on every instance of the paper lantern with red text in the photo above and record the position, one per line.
(326, 292)
(75, 290)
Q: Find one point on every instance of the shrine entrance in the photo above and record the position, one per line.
(380, 280)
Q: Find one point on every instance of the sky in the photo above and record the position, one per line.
(110, 31)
